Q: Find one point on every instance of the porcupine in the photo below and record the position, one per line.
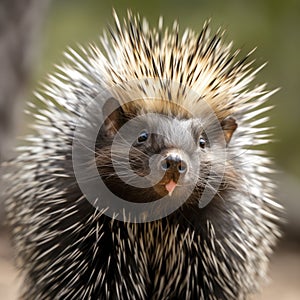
(69, 249)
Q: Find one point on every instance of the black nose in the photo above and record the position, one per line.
(174, 163)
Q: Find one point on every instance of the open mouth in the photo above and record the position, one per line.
(170, 187)
(167, 185)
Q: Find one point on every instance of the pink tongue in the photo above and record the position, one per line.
(170, 187)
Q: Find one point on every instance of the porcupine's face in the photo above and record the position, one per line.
(173, 152)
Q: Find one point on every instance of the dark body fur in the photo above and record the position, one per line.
(165, 259)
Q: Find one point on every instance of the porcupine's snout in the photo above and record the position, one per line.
(173, 166)
(174, 163)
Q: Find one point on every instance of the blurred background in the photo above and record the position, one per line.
(34, 34)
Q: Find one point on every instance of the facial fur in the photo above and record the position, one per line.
(199, 145)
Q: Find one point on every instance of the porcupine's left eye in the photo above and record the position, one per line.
(202, 142)
(143, 137)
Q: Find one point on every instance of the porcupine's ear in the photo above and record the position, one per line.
(113, 116)
(229, 126)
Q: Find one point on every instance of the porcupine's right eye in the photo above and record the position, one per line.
(202, 142)
(143, 137)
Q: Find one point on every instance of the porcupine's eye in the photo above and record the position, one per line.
(143, 137)
(202, 142)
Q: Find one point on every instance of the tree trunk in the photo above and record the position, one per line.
(20, 26)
